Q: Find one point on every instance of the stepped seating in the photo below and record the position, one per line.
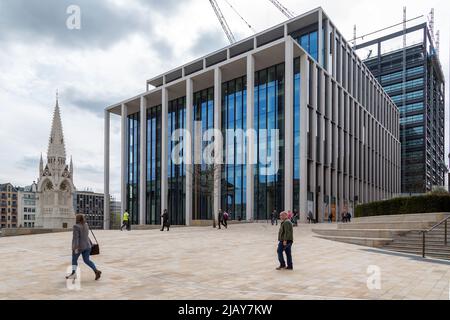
(400, 233)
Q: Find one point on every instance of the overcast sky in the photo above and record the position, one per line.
(121, 44)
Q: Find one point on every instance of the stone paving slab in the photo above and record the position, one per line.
(206, 263)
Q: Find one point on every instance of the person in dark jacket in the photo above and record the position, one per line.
(274, 217)
(285, 241)
(221, 218)
(165, 217)
(295, 218)
(81, 245)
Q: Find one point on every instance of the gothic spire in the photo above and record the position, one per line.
(56, 146)
(41, 166)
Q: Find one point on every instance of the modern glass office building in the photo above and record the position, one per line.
(298, 86)
(414, 79)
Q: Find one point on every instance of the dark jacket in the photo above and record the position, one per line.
(286, 232)
(165, 217)
(80, 239)
(220, 216)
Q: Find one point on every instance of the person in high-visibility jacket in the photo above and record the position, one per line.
(126, 221)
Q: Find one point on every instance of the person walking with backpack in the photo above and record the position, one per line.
(126, 221)
(226, 216)
(285, 241)
(165, 217)
(81, 245)
(220, 218)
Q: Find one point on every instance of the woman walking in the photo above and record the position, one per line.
(81, 245)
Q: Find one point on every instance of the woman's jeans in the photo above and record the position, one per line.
(86, 253)
(286, 249)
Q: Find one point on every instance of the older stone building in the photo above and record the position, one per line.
(55, 186)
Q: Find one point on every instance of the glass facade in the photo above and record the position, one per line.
(133, 168)
(153, 194)
(234, 177)
(203, 174)
(269, 114)
(309, 42)
(176, 172)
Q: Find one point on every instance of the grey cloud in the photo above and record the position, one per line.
(84, 170)
(102, 22)
(208, 41)
(79, 100)
(28, 162)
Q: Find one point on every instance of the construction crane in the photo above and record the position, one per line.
(222, 21)
(283, 9)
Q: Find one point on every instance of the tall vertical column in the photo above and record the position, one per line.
(313, 134)
(106, 154)
(217, 126)
(124, 157)
(288, 123)
(250, 137)
(188, 148)
(320, 37)
(164, 151)
(143, 162)
(304, 98)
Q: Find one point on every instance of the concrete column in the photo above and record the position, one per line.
(124, 156)
(188, 150)
(143, 162)
(217, 125)
(289, 124)
(106, 155)
(304, 98)
(320, 37)
(164, 151)
(250, 137)
(312, 166)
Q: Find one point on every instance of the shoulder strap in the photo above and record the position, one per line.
(93, 235)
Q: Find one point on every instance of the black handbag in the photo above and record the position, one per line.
(95, 248)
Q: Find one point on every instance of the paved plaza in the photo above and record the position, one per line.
(206, 263)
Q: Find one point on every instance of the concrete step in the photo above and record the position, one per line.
(436, 254)
(368, 242)
(406, 240)
(408, 225)
(361, 233)
(395, 245)
(426, 217)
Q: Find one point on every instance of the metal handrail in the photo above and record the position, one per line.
(424, 232)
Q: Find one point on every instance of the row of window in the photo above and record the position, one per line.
(409, 96)
(411, 119)
(410, 108)
(29, 217)
(399, 75)
(408, 85)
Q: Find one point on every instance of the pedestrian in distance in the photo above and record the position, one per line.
(285, 241)
(81, 245)
(226, 216)
(165, 220)
(348, 217)
(311, 218)
(295, 218)
(220, 219)
(274, 217)
(126, 221)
